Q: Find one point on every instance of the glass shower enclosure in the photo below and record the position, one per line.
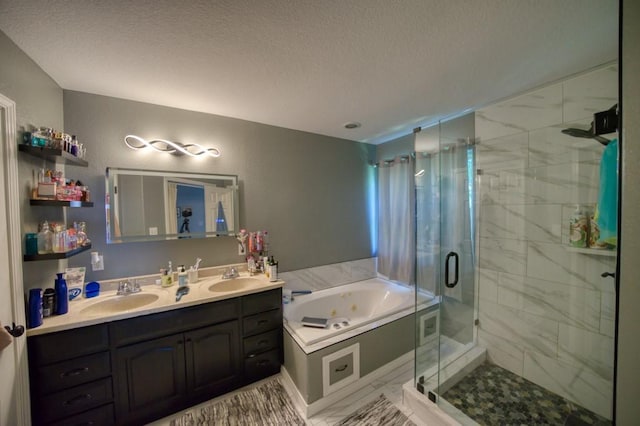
(516, 207)
(446, 248)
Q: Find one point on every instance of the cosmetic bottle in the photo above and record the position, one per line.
(182, 276)
(35, 307)
(62, 295)
(45, 239)
(165, 278)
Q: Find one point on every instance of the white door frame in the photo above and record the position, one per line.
(12, 197)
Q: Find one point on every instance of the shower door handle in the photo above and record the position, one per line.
(446, 270)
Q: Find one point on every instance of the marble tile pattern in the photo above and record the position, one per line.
(327, 276)
(545, 312)
(378, 412)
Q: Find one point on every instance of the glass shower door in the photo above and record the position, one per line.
(445, 260)
(457, 257)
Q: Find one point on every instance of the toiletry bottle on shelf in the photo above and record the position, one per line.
(578, 228)
(62, 295)
(45, 239)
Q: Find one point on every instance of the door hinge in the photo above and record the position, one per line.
(476, 322)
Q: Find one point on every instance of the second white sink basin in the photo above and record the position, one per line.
(234, 284)
(116, 304)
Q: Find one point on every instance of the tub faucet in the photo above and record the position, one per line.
(230, 273)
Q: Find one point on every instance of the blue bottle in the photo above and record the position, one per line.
(62, 295)
(35, 307)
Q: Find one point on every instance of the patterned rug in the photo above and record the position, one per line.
(266, 404)
(380, 412)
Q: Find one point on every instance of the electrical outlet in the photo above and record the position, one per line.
(241, 250)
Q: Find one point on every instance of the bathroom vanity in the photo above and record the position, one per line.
(138, 369)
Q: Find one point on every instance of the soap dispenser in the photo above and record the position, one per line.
(62, 295)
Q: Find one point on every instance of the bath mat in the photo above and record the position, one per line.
(377, 413)
(266, 404)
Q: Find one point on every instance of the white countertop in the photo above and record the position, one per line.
(80, 314)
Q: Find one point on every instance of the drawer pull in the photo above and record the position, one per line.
(263, 342)
(263, 321)
(251, 356)
(78, 399)
(76, 372)
(339, 369)
(263, 362)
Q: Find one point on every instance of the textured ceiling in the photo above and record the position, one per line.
(314, 65)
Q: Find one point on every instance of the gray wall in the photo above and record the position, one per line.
(38, 103)
(309, 191)
(628, 372)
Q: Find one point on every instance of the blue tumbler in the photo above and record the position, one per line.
(62, 295)
(35, 307)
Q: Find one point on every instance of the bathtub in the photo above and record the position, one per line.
(350, 309)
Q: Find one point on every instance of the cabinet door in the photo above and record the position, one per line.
(151, 379)
(213, 359)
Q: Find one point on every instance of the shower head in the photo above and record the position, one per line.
(587, 134)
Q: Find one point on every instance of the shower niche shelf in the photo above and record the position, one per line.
(593, 252)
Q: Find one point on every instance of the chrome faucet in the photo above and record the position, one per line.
(125, 288)
(230, 273)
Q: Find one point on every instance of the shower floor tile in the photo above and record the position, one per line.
(491, 395)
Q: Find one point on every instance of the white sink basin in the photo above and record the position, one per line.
(234, 284)
(116, 304)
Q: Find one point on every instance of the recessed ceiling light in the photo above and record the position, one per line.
(352, 125)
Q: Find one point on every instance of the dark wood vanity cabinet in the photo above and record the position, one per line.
(144, 368)
(71, 378)
(161, 376)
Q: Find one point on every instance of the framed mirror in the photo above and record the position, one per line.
(148, 205)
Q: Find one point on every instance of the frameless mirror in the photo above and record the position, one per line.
(146, 205)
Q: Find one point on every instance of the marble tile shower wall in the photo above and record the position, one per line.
(545, 313)
(327, 276)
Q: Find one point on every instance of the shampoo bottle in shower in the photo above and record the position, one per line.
(578, 228)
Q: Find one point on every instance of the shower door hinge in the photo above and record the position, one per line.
(432, 397)
(479, 172)
(420, 385)
(476, 322)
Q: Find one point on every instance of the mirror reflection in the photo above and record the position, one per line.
(146, 205)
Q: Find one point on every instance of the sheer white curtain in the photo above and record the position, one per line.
(396, 220)
(171, 223)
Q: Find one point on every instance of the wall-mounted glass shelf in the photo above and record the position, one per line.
(55, 155)
(53, 256)
(593, 252)
(60, 203)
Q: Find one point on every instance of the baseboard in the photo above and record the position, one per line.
(309, 410)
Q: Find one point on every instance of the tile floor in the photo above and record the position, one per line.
(492, 395)
(390, 385)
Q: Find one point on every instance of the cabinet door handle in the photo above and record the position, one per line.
(78, 399)
(251, 356)
(339, 369)
(75, 372)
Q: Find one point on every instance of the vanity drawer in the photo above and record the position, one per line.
(70, 373)
(60, 346)
(259, 323)
(98, 416)
(148, 327)
(75, 400)
(260, 343)
(262, 365)
(260, 302)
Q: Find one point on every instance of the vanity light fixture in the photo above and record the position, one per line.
(161, 145)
